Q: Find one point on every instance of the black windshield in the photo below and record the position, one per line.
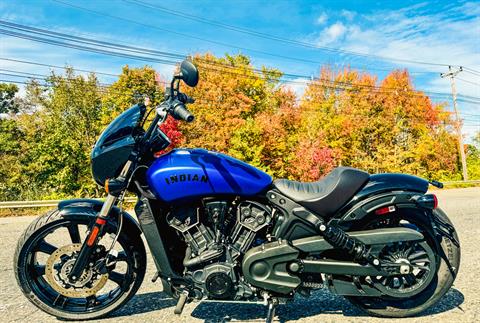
(123, 126)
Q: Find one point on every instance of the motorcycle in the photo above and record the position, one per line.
(220, 230)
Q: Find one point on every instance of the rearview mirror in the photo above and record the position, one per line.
(189, 73)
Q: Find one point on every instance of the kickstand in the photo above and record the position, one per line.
(272, 305)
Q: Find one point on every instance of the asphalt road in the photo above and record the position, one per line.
(460, 304)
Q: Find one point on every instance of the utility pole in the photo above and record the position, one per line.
(451, 73)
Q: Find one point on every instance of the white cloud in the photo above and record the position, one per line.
(347, 14)
(331, 34)
(322, 19)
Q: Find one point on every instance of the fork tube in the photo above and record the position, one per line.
(91, 241)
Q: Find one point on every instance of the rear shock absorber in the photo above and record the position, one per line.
(340, 239)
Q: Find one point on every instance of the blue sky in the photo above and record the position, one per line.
(436, 31)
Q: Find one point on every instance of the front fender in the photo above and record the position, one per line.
(90, 208)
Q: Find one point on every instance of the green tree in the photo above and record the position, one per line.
(473, 158)
(132, 87)
(8, 102)
(10, 143)
(60, 135)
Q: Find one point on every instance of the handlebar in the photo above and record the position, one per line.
(180, 112)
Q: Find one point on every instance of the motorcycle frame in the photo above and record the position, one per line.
(151, 214)
(397, 190)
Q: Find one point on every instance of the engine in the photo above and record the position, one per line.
(217, 234)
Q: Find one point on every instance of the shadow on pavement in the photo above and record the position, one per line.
(454, 298)
(144, 303)
(321, 302)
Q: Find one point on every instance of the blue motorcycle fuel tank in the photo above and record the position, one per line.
(185, 174)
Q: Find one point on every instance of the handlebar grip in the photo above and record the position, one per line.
(182, 113)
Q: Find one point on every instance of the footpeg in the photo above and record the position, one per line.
(182, 300)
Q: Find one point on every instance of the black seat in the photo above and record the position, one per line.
(329, 194)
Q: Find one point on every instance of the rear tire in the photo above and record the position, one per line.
(449, 262)
(39, 292)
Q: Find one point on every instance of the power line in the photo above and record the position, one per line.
(36, 76)
(121, 47)
(88, 41)
(471, 71)
(56, 66)
(336, 85)
(106, 88)
(468, 101)
(18, 72)
(471, 114)
(102, 14)
(105, 85)
(467, 81)
(273, 37)
(85, 48)
(189, 36)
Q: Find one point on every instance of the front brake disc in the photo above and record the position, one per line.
(59, 265)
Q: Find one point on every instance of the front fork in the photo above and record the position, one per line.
(95, 232)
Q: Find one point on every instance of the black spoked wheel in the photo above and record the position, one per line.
(418, 263)
(429, 267)
(47, 252)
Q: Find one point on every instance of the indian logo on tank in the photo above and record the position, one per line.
(186, 178)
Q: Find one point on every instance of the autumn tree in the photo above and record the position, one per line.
(347, 119)
(268, 139)
(229, 92)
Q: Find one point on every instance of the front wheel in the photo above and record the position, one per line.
(45, 255)
(446, 248)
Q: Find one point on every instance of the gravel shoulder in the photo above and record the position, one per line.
(460, 304)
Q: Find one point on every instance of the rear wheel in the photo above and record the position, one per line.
(45, 255)
(411, 294)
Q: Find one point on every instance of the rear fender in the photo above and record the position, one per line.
(381, 190)
(396, 200)
(89, 208)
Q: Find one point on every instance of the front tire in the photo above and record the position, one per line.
(35, 245)
(448, 264)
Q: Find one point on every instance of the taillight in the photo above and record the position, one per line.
(428, 201)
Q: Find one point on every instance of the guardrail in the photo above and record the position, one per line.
(43, 203)
(50, 203)
(461, 182)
